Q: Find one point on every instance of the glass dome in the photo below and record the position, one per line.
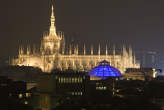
(104, 71)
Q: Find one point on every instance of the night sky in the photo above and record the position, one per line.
(139, 23)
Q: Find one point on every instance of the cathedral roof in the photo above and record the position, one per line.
(104, 71)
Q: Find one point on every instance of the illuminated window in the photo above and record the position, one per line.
(28, 94)
(81, 80)
(20, 96)
(79, 93)
(73, 80)
(26, 102)
(64, 80)
(61, 80)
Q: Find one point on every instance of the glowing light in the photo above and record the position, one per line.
(28, 94)
(20, 96)
(104, 71)
(26, 102)
(154, 72)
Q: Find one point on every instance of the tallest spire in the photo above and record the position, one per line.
(52, 27)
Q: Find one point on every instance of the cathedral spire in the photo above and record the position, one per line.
(77, 49)
(134, 59)
(52, 27)
(91, 49)
(34, 49)
(84, 50)
(124, 52)
(114, 50)
(130, 51)
(28, 50)
(99, 50)
(70, 50)
(106, 51)
(21, 50)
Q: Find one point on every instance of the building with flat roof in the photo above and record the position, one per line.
(63, 83)
(140, 73)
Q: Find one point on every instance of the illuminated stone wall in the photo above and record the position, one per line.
(52, 56)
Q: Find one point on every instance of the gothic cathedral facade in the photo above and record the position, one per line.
(52, 55)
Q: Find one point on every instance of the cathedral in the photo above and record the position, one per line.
(52, 55)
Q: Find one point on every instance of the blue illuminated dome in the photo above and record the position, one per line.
(104, 71)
